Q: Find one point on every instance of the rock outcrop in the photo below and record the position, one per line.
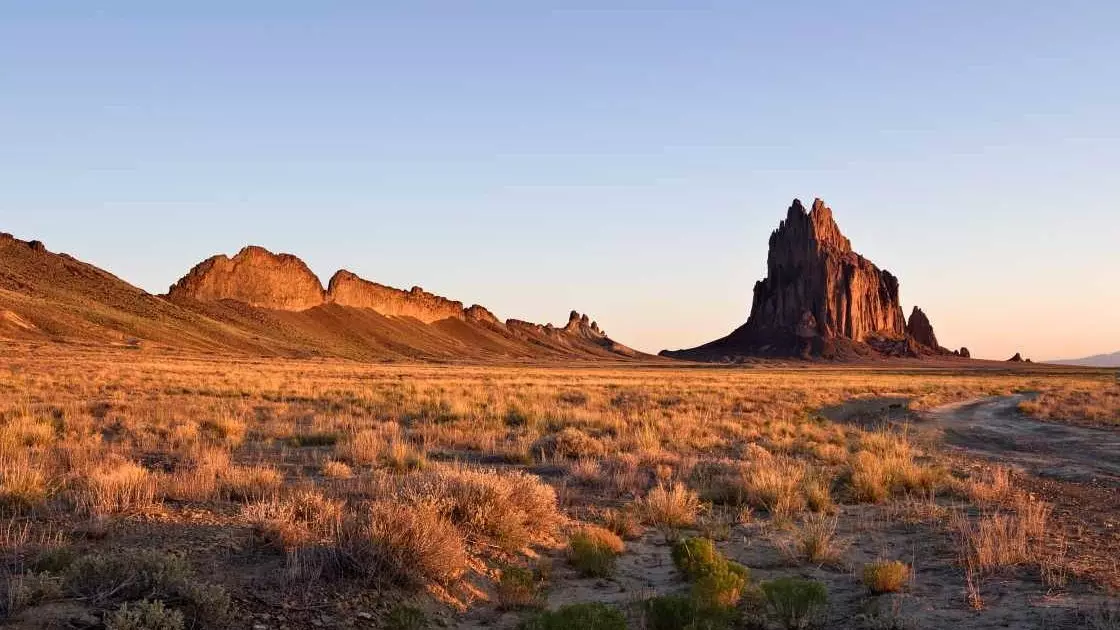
(821, 298)
(283, 283)
(254, 276)
(963, 352)
(1018, 358)
(920, 329)
(347, 289)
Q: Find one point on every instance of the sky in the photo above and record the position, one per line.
(625, 159)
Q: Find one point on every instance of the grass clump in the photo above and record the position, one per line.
(412, 545)
(886, 576)
(673, 507)
(145, 615)
(593, 551)
(584, 616)
(794, 602)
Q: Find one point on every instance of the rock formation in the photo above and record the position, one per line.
(254, 276)
(963, 352)
(919, 328)
(1018, 358)
(347, 289)
(821, 298)
(283, 283)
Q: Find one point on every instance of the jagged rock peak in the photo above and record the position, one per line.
(814, 276)
(582, 325)
(819, 298)
(254, 276)
(920, 328)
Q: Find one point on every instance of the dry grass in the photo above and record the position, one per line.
(412, 544)
(673, 507)
(1094, 403)
(886, 576)
(433, 475)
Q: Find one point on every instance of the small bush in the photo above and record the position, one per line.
(518, 587)
(593, 551)
(29, 589)
(722, 588)
(677, 612)
(624, 523)
(719, 582)
(673, 507)
(886, 576)
(145, 615)
(794, 602)
(569, 443)
(586, 616)
(145, 574)
(406, 618)
(409, 544)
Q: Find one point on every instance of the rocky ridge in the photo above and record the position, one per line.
(282, 282)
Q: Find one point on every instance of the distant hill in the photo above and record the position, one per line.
(1097, 360)
(261, 303)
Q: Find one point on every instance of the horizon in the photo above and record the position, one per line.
(636, 177)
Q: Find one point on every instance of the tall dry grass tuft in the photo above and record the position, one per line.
(673, 507)
(410, 544)
(115, 488)
(996, 540)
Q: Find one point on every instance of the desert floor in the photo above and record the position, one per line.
(149, 490)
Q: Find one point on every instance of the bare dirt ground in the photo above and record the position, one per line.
(993, 428)
(1075, 468)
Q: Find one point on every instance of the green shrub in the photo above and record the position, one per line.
(593, 551)
(680, 612)
(145, 615)
(722, 588)
(794, 602)
(586, 616)
(886, 576)
(146, 574)
(26, 590)
(696, 557)
(518, 588)
(718, 582)
(406, 618)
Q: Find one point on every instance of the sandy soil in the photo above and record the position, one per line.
(993, 428)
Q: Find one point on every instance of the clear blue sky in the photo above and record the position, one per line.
(630, 162)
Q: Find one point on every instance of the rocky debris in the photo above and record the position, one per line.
(254, 276)
(820, 298)
(920, 329)
(347, 289)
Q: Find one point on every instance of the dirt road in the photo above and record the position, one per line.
(994, 428)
